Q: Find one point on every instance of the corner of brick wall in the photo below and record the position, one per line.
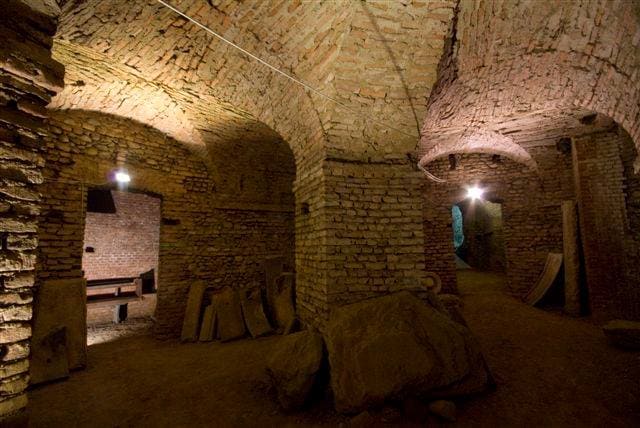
(29, 78)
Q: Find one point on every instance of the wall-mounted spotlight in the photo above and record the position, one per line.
(122, 177)
(474, 193)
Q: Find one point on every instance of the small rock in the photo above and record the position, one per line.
(623, 333)
(293, 367)
(362, 420)
(443, 409)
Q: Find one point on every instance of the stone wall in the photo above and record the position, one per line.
(532, 221)
(28, 79)
(125, 243)
(215, 227)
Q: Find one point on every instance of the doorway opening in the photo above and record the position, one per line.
(120, 262)
(478, 241)
(478, 236)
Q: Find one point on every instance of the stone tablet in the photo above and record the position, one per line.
(229, 313)
(284, 309)
(208, 326)
(51, 361)
(192, 312)
(253, 312)
(59, 303)
(273, 267)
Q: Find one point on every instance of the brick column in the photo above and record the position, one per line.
(365, 222)
(29, 77)
(599, 180)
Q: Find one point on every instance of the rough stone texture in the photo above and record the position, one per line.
(396, 346)
(126, 243)
(293, 367)
(49, 360)
(622, 333)
(28, 80)
(218, 226)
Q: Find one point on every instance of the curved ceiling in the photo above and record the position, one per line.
(141, 60)
(535, 72)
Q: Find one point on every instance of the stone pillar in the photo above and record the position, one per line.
(571, 250)
(599, 184)
(29, 78)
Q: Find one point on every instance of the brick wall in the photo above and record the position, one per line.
(532, 223)
(362, 223)
(217, 226)
(126, 243)
(609, 244)
(374, 233)
(28, 79)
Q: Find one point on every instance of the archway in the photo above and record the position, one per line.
(216, 226)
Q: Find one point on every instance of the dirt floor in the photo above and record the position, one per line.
(109, 332)
(551, 370)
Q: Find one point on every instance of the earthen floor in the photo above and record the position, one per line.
(550, 371)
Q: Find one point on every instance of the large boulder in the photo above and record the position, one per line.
(294, 366)
(623, 333)
(397, 346)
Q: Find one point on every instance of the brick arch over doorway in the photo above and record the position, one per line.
(213, 228)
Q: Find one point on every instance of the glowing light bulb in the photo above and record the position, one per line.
(122, 177)
(474, 193)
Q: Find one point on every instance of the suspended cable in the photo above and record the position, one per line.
(429, 175)
(284, 74)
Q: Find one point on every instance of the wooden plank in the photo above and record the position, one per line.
(546, 279)
(192, 312)
(571, 251)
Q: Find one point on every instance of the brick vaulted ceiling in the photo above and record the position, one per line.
(467, 76)
(524, 73)
(140, 60)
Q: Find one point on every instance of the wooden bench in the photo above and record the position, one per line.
(119, 298)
